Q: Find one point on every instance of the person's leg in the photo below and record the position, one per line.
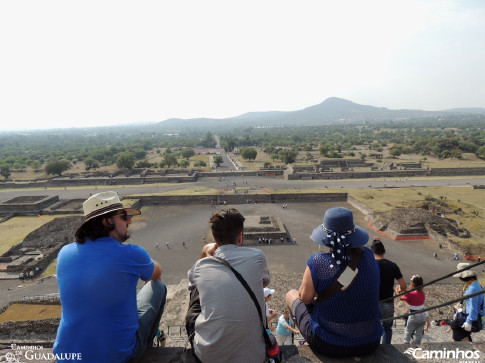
(288, 340)
(409, 330)
(387, 311)
(150, 301)
(300, 315)
(419, 333)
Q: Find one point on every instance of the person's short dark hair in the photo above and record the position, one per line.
(226, 225)
(94, 229)
(378, 247)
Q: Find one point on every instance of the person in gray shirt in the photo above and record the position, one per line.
(228, 327)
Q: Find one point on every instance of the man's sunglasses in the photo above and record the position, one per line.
(124, 216)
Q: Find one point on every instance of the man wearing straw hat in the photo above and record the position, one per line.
(103, 319)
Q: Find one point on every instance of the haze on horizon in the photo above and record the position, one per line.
(100, 63)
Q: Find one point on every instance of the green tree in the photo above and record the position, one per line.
(188, 153)
(325, 148)
(481, 152)
(170, 160)
(57, 167)
(36, 165)
(395, 152)
(5, 171)
(218, 160)
(143, 164)
(249, 153)
(209, 140)
(91, 163)
(125, 160)
(200, 163)
(288, 156)
(139, 153)
(184, 163)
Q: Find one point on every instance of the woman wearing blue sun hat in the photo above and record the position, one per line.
(337, 305)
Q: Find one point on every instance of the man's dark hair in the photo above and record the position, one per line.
(377, 247)
(226, 226)
(94, 229)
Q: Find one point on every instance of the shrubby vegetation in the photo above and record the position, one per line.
(127, 147)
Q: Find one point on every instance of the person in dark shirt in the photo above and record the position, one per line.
(389, 272)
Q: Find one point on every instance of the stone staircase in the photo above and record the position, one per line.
(436, 343)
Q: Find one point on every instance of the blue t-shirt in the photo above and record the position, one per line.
(351, 317)
(282, 323)
(97, 283)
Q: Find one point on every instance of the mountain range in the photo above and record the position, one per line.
(332, 110)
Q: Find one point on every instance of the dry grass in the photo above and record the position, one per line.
(16, 229)
(465, 204)
(24, 312)
(51, 269)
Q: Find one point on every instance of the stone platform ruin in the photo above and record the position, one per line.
(264, 229)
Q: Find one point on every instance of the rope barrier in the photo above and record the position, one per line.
(436, 306)
(433, 281)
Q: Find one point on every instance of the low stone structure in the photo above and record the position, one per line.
(266, 229)
(27, 205)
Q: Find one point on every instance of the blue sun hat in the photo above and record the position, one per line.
(339, 232)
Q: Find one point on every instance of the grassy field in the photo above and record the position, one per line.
(16, 229)
(465, 205)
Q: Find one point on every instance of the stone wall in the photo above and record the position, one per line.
(29, 207)
(456, 171)
(359, 174)
(238, 199)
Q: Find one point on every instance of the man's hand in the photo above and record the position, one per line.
(208, 250)
(467, 326)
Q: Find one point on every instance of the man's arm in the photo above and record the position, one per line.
(157, 272)
(402, 285)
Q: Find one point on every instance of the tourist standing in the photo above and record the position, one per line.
(388, 272)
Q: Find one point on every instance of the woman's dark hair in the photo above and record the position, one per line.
(226, 226)
(94, 229)
(417, 282)
(468, 278)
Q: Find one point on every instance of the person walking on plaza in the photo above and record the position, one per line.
(103, 319)
(228, 328)
(337, 306)
(388, 272)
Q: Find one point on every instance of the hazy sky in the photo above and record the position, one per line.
(87, 63)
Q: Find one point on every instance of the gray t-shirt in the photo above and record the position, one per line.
(228, 327)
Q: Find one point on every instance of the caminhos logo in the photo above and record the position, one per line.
(463, 355)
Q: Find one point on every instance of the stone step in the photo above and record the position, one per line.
(396, 353)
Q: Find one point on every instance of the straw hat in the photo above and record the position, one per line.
(103, 203)
(463, 274)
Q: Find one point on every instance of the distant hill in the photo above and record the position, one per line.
(331, 111)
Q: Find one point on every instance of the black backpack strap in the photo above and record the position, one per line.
(345, 279)
(251, 294)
